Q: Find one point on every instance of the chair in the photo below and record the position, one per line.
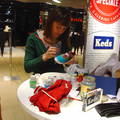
(2, 41)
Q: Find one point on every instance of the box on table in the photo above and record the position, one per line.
(108, 84)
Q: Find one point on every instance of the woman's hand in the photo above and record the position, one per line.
(73, 60)
(51, 52)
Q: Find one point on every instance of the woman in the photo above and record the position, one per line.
(43, 45)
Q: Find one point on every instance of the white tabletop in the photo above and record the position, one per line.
(72, 110)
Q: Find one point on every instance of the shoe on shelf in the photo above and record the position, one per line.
(7, 20)
(60, 59)
(7, 28)
(7, 13)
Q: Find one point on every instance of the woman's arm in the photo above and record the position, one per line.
(37, 56)
(33, 54)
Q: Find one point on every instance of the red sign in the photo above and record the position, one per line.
(76, 19)
(105, 11)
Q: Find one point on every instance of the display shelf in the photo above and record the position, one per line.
(6, 14)
(1, 28)
(7, 18)
(8, 22)
(21, 17)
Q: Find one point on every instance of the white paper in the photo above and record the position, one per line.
(111, 96)
(73, 93)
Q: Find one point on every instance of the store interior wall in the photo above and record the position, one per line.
(24, 18)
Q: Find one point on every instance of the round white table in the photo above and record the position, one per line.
(71, 111)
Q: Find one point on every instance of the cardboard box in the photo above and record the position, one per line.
(117, 73)
(108, 84)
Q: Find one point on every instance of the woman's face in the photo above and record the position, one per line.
(57, 29)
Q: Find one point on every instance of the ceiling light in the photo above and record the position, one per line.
(49, 3)
(57, 1)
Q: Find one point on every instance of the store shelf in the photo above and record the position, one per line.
(21, 17)
(2, 28)
(7, 18)
(9, 22)
(6, 22)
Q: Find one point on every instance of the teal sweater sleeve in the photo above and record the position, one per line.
(33, 54)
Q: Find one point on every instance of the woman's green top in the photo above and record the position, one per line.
(33, 57)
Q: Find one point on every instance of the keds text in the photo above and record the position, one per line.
(103, 42)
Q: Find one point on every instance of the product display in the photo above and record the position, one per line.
(60, 59)
(91, 99)
(64, 92)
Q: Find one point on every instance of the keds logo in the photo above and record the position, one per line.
(101, 42)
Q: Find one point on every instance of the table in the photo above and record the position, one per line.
(72, 110)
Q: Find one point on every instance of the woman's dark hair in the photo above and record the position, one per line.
(61, 15)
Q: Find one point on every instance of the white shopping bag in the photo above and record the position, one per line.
(112, 64)
(76, 67)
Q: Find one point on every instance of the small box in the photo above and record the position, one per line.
(108, 84)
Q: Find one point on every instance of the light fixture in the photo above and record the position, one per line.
(49, 3)
(46, 13)
(57, 1)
